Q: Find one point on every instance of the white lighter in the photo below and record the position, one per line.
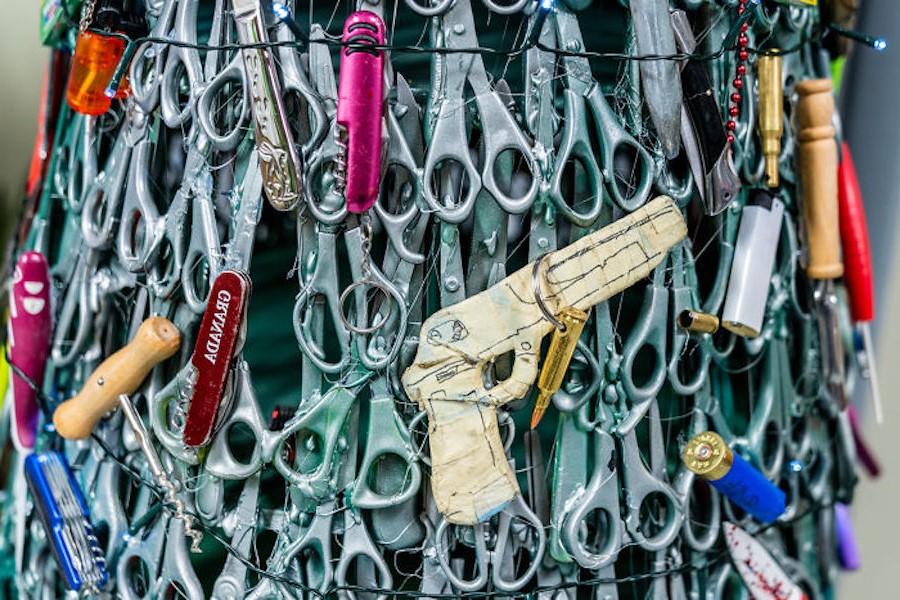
(751, 269)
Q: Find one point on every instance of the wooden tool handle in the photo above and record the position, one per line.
(818, 178)
(156, 340)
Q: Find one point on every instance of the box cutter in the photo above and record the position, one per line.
(220, 339)
(702, 132)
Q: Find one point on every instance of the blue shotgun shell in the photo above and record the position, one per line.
(709, 456)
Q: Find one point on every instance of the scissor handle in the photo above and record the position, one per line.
(616, 141)
(388, 438)
(481, 557)
(501, 136)
(142, 553)
(145, 74)
(209, 104)
(505, 556)
(570, 403)
(649, 332)
(324, 202)
(601, 495)
(320, 425)
(141, 229)
(505, 9)
(641, 486)
(449, 147)
(687, 348)
(103, 200)
(575, 147)
(357, 544)
(222, 460)
(75, 314)
(436, 8)
(177, 571)
(296, 81)
(181, 62)
(400, 161)
(700, 529)
(202, 260)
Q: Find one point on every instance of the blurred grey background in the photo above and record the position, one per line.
(869, 108)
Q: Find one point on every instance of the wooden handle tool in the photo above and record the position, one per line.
(818, 178)
(156, 340)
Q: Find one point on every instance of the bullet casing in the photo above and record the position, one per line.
(559, 355)
(771, 113)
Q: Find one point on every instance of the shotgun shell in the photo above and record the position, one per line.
(709, 456)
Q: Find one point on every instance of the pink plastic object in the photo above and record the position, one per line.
(359, 109)
(29, 341)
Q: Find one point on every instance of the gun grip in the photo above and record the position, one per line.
(471, 477)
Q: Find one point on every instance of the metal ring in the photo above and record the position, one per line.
(536, 290)
(376, 326)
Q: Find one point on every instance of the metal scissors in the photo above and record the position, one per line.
(358, 549)
(321, 286)
(629, 188)
(388, 454)
(319, 428)
(650, 332)
(701, 506)
(102, 204)
(145, 73)
(594, 545)
(231, 582)
(182, 77)
(398, 208)
(138, 567)
(497, 565)
(216, 98)
(645, 486)
(500, 132)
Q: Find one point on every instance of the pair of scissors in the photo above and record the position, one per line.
(628, 187)
(318, 309)
(231, 583)
(499, 565)
(447, 130)
(652, 508)
(102, 203)
(656, 330)
(388, 459)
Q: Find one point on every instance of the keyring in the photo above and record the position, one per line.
(380, 323)
(536, 290)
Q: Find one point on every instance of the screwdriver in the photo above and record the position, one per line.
(818, 179)
(858, 273)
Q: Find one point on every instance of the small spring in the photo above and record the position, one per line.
(339, 168)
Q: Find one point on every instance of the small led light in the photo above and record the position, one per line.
(546, 4)
(795, 466)
(280, 10)
(880, 44)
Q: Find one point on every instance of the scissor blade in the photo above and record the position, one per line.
(764, 577)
